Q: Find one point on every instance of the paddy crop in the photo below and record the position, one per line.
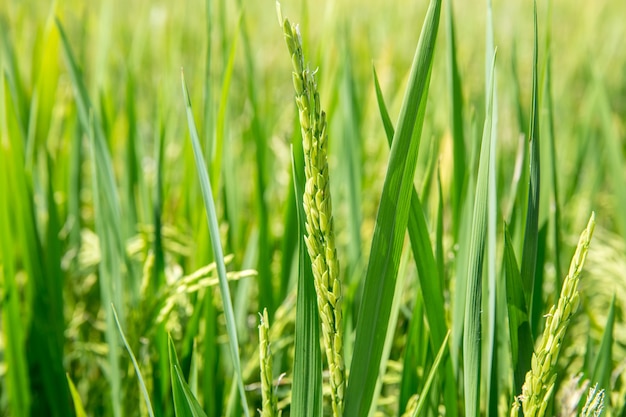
(169, 244)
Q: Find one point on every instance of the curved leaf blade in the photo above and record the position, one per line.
(391, 224)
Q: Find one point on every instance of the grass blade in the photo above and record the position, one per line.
(16, 377)
(490, 310)
(351, 152)
(456, 112)
(79, 409)
(604, 359)
(428, 270)
(472, 350)
(519, 325)
(443, 350)
(391, 329)
(307, 367)
(43, 98)
(185, 403)
(382, 107)
(458, 306)
(421, 244)
(613, 155)
(555, 208)
(43, 339)
(142, 384)
(391, 223)
(109, 268)
(216, 159)
(211, 214)
(291, 236)
(531, 232)
(14, 86)
(107, 219)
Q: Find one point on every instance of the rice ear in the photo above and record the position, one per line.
(539, 384)
(320, 235)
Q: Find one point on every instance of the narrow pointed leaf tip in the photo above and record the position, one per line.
(279, 14)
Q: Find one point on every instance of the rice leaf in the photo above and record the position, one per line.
(456, 118)
(521, 339)
(109, 268)
(490, 309)
(460, 287)
(209, 205)
(537, 306)
(472, 333)
(108, 218)
(142, 384)
(555, 207)
(531, 232)
(430, 280)
(517, 91)
(14, 86)
(136, 192)
(208, 96)
(391, 223)
(382, 107)
(185, 403)
(216, 151)
(49, 306)
(443, 350)
(391, 329)
(613, 155)
(193, 369)
(351, 154)
(79, 409)
(16, 377)
(212, 380)
(416, 355)
(604, 358)
(306, 394)
(42, 310)
(42, 103)
(439, 251)
(157, 280)
(291, 236)
(428, 270)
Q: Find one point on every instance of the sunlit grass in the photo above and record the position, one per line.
(192, 213)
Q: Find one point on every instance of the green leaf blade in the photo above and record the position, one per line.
(531, 233)
(390, 229)
(307, 367)
(207, 196)
(472, 334)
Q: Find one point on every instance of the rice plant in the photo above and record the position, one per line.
(168, 253)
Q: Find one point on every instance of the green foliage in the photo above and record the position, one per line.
(191, 213)
(391, 223)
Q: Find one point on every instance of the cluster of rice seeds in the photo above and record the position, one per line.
(268, 395)
(320, 236)
(411, 406)
(594, 404)
(540, 381)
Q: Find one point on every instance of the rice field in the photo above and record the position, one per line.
(335, 208)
